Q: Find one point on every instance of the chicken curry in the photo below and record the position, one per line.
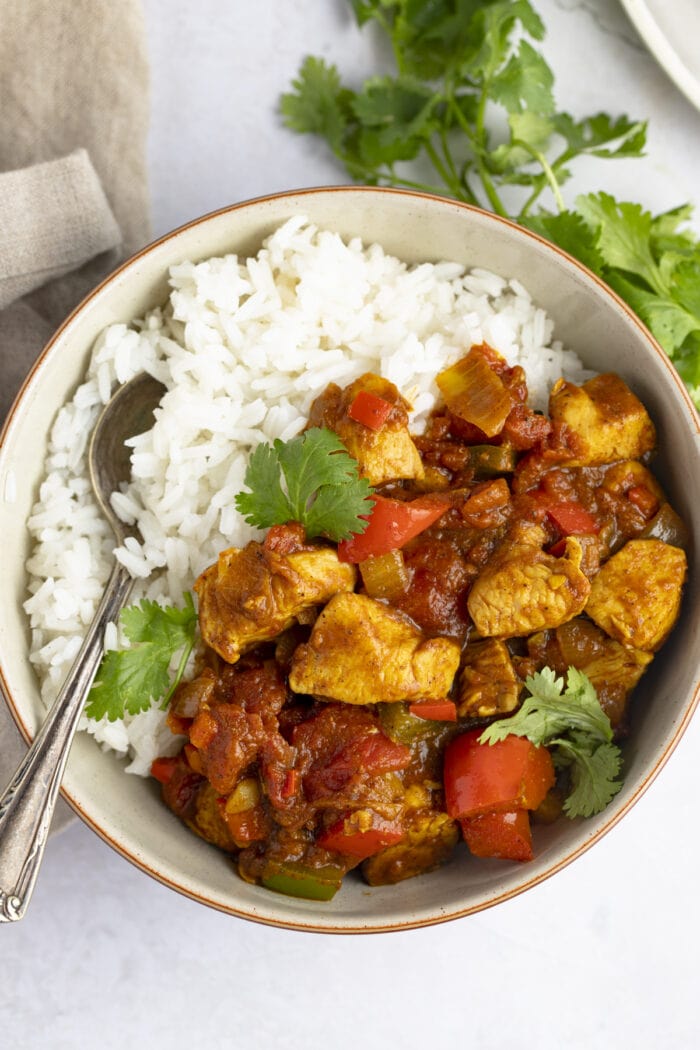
(340, 685)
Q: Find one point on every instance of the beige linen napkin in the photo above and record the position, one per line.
(73, 190)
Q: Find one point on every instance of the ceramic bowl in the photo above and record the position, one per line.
(127, 811)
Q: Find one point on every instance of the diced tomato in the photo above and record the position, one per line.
(370, 410)
(163, 769)
(344, 837)
(391, 525)
(572, 519)
(182, 787)
(504, 835)
(643, 499)
(285, 539)
(511, 774)
(374, 754)
(438, 710)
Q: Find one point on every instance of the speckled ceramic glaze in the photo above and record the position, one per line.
(126, 811)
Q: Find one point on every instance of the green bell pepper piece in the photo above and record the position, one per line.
(298, 880)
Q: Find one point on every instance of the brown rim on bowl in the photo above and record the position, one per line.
(440, 914)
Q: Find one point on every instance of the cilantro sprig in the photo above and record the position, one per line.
(472, 103)
(571, 722)
(131, 680)
(311, 479)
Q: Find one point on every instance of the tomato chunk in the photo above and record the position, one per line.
(163, 769)
(370, 410)
(504, 835)
(643, 499)
(439, 710)
(391, 525)
(573, 519)
(511, 774)
(347, 837)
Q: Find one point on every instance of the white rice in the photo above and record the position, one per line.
(244, 347)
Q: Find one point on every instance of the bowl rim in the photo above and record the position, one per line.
(439, 917)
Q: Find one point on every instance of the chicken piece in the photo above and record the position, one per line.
(382, 455)
(251, 595)
(488, 684)
(636, 596)
(429, 840)
(362, 652)
(522, 589)
(614, 669)
(607, 420)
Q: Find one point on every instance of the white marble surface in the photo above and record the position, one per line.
(604, 955)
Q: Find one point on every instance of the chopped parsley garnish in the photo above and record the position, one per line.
(572, 724)
(310, 479)
(131, 680)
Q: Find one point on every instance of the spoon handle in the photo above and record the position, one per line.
(28, 802)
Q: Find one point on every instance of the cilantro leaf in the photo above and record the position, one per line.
(268, 504)
(602, 135)
(623, 236)
(318, 102)
(525, 83)
(570, 232)
(395, 115)
(311, 479)
(131, 680)
(594, 772)
(570, 721)
(666, 318)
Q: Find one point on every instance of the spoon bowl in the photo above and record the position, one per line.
(128, 412)
(27, 805)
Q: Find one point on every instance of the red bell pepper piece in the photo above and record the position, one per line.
(503, 835)
(438, 710)
(163, 769)
(572, 518)
(511, 774)
(392, 523)
(344, 837)
(370, 410)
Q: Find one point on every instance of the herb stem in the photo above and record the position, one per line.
(549, 176)
(447, 177)
(178, 674)
(478, 141)
(424, 187)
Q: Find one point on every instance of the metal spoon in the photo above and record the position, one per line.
(27, 805)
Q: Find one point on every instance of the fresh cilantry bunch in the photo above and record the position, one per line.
(460, 66)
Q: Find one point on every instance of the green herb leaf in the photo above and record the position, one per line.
(525, 83)
(322, 488)
(317, 104)
(623, 236)
(602, 135)
(570, 721)
(131, 680)
(594, 772)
